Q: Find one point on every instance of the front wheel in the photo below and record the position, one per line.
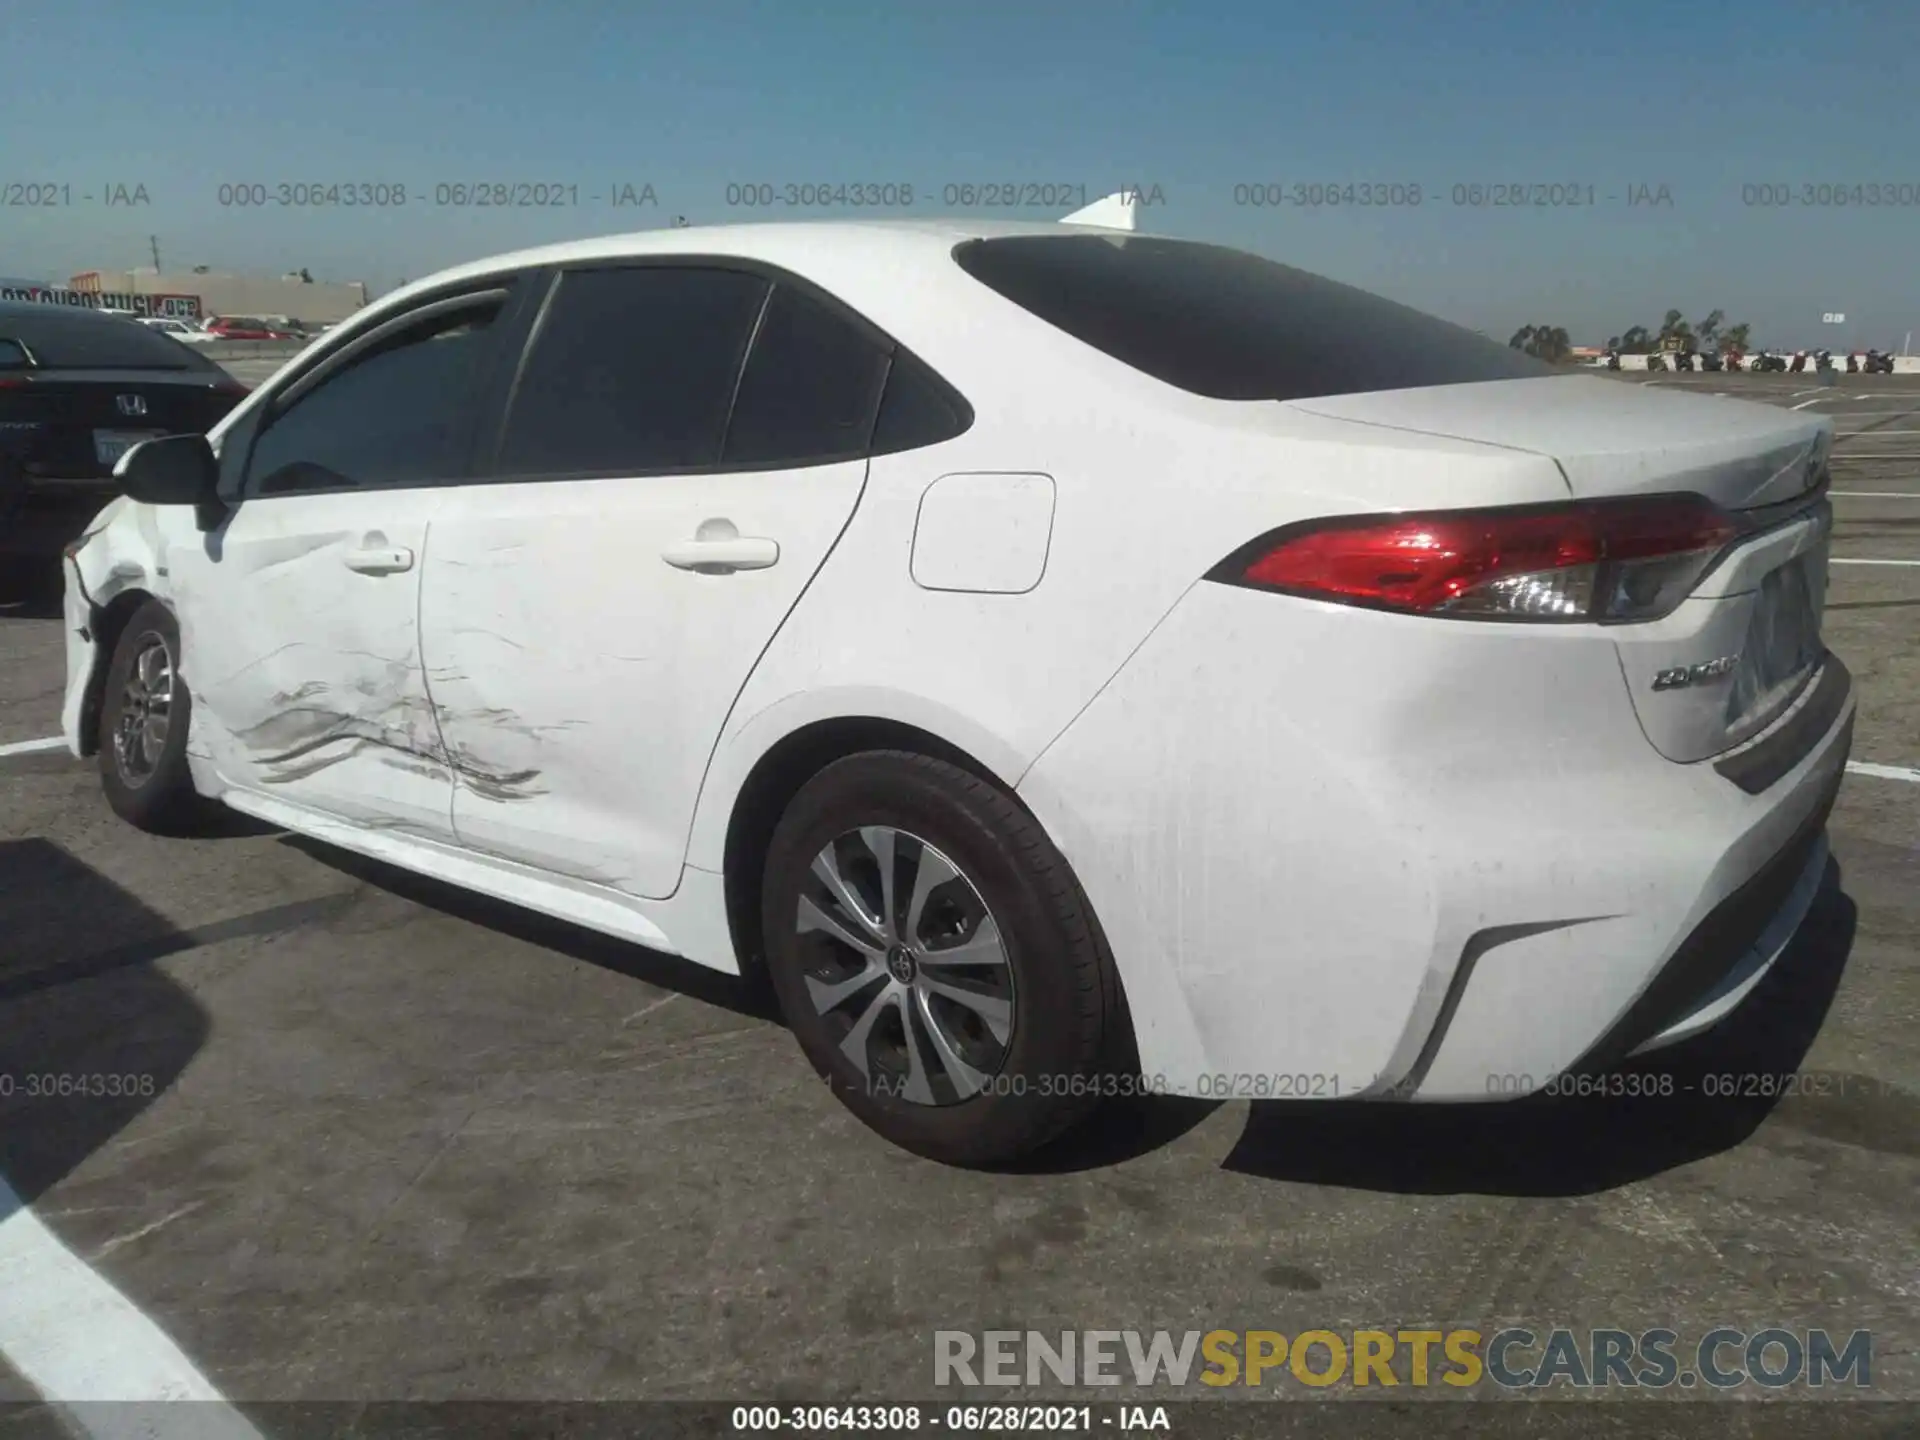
(936, 959)
(144, 719)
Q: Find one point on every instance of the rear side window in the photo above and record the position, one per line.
(62, 339)
(1229, 325)
(399, 415)
(918, 409)
(631, 371)
(810, 389)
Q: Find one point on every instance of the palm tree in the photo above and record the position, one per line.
(1707, 332)
(1544, 342)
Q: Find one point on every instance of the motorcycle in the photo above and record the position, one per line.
(1711, 361)
(1823, 362)
(1878, 364)
(1799, 362)
(1683, 361)
(1733, 361)
(1656, 362)
(1853, 364)
(1613, 359)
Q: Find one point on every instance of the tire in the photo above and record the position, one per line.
(1033, 1040)
(143, 768)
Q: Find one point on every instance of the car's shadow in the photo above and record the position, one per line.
(91, 1034)
(623, 957)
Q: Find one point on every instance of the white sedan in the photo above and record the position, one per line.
(185, 331)
(1064, 661)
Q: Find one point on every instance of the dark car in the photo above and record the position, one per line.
(77, 391)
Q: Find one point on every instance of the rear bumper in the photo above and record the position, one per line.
(1339, 853)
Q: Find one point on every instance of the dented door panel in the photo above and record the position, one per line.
(303, 656)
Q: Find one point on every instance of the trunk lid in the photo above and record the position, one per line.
(1735, 656)
(72, 424)
(1613, 438)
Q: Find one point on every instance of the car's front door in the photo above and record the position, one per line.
(299, 615)
(683, 448)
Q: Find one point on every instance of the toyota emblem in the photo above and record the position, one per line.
(131, 404)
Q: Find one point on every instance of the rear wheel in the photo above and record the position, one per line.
(144, 719)
(935, 958)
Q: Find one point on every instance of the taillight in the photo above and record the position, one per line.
(1604, 560)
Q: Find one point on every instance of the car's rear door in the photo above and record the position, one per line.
(681, 450)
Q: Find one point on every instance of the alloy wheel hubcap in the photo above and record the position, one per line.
(146, 711)
(907, 965)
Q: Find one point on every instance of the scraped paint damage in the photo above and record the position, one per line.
(306, 735)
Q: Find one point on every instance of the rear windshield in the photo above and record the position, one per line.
(1232, 326)
(62, 339)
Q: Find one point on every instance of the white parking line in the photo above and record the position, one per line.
(81, 1343)
(1805, 403)
(1875, 494)
(1885, 772)
(33, 747)
(1873, 562)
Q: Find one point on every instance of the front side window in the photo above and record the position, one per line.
(632, 371)
(397, 415)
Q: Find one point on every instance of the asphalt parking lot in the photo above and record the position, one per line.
(390, 1140)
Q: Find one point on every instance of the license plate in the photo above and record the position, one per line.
(110, 445)
(1783, 641)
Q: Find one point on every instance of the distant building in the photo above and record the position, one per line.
(312, 301)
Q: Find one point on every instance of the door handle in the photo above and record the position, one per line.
(722, 555)
(380, 560)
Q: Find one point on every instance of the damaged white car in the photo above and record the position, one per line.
(1066, 662)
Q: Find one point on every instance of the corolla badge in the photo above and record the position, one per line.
(1681, 676)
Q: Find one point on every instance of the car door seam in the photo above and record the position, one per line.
(720, 732)
(426, 671)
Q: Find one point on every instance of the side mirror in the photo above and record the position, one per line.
(174, 470)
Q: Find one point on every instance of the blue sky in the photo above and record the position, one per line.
(1195, 98)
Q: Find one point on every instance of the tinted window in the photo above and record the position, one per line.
(631, 371)
(1229, 325)
(62, 339)
(918, 409)
(397, 415)
(810, 389)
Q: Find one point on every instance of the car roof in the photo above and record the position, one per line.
(792, 244)
(14, 309)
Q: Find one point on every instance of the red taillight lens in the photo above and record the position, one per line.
(1599, 560)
